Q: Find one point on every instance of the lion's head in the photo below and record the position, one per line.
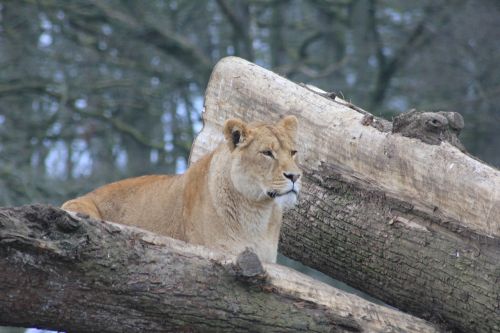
(263, 165)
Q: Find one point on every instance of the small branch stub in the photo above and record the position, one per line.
(249, 268)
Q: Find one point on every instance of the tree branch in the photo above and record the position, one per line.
(239, 27)
(76, 274)
(33, 85)
(164, 39)
(388, 66)
(121, 126)
(160, 37)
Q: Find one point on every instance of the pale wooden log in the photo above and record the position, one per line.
(428, 176)
(415, 224)
(71, 273)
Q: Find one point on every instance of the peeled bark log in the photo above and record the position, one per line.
(413, 223)
(71, 273)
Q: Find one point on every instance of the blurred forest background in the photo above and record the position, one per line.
(96, 90)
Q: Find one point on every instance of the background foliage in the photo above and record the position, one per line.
(96, 90)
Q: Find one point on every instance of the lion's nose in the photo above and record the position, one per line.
(292, 176)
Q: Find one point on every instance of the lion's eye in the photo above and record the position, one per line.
(268, 153)
(293, 152)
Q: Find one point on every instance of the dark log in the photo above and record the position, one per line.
(71, 273)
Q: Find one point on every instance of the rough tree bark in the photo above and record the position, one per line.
(412, 221)
(72, 273)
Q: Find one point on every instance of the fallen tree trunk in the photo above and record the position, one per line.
(71, 273)
(412, 222)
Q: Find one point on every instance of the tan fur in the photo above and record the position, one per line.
(225, 200)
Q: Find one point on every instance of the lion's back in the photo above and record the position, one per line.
(148, 202)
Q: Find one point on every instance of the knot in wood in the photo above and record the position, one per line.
(65, 222)
(248, 267)
(430, 127)
(50, 216)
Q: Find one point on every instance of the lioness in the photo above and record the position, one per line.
(230, 199)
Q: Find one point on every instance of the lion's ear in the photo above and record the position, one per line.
(235, 132)
(290, 124)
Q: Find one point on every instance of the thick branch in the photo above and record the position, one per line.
(240, 26)
(42, 89)
(162, 38)
(75, 274)
(388, 66)
(122, 127)
(30, 85)
(415, 224)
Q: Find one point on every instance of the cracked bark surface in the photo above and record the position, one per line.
(411, 220)
(71, 273)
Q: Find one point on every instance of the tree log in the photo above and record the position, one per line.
(414, 223)
(68, 272)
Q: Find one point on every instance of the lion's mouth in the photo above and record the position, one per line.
(274, 194)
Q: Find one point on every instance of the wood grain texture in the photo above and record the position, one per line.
(71, 273)
(414, 224)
